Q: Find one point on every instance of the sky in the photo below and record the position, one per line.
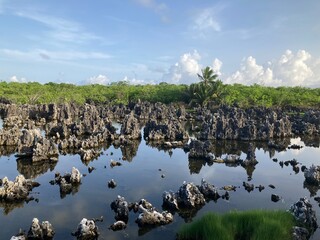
(271, 43)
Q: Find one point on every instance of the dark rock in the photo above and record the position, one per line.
(189, 196)
(304, 213)
(90, 169)
(312, 175)
(300, 233)
(115, 163)
(201, 150)
(275, 198)
(112, 183)
(170, 200)
(260, 187)
(208, 190)
(118, 225)
(248, 187)
(121, 209)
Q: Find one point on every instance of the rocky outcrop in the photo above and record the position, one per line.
(304, 213)
(168, 130)
(87, 230)
(200, 150)
(121, 208)
(149, 216)
(238, 124)
(10, 137)
(208, 190)
(68, 183)
(37, 230)
(89, 154)
(130, 127)
(16, 191)
(188, 196)
(40, 231)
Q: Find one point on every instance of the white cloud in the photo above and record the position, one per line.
(292, 69)
(16, 79)
(184, 71)
(216, 66)
(100, 79)
(42, 54)
(206, 20)
(61, 30)
(135, 81)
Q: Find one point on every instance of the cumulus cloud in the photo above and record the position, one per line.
(216, 66)
(17, 79)
(185, 70)
(135, 81)
(291, 69)
(100, 79)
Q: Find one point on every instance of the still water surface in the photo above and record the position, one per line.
(140, 177)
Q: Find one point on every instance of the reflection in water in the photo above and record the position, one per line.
(31, 170)
(313, 189)
(195, 165)
(141, 178)
(129, 150)
(10, 206)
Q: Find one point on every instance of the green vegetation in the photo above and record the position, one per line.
(209, 90)
(249, 225)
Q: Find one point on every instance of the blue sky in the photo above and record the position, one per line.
(149, 41)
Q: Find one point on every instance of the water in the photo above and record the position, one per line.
(140, 177)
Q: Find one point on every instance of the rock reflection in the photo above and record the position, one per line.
(130, 150)
(10, 206)
(195, 165)
(312, 188)
(311, 141)
(31, 170)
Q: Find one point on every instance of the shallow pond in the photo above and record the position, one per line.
(140, 177)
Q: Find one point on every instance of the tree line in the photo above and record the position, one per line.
(208, 91)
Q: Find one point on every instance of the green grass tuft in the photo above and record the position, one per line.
(249, 225)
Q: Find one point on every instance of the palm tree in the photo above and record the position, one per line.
(208, 76)
(209, 88)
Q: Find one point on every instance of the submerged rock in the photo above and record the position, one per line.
(118, 225)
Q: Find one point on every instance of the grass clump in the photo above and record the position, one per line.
(248, 225)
